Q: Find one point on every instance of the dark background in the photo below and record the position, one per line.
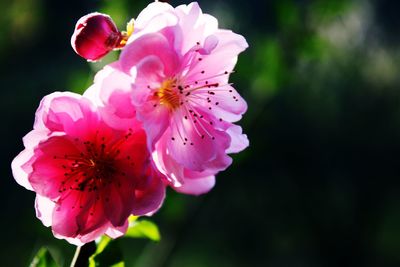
(319, 184)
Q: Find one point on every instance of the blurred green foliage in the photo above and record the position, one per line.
(318, 185)
(43, 259)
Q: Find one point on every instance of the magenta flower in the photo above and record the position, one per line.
(88, 176)
(179, 62)
(95, 35)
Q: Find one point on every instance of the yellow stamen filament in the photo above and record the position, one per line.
(126, 34)
(168, 94)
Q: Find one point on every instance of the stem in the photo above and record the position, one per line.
(76, 255)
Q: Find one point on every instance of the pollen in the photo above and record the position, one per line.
(168, 94)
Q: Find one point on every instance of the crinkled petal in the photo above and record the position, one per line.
(153, 44)
(239, 141)
(60, 111)
(20, 174)
(222, 58)
(44, 209)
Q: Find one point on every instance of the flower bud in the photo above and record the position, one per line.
(95, 35)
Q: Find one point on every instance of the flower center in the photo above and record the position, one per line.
(101, 168)
(168, 95)
(95, 167)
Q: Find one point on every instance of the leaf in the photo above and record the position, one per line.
(108, 251)
(43, 258)
(104, 240)
(107, 254)
(119, 264)
(143, 229)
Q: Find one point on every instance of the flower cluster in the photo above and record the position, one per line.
(162, 115)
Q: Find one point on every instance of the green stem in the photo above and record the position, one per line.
(76, 255)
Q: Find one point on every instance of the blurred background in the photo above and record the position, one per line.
(319, 184)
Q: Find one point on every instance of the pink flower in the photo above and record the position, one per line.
(179, 62)
(95, 35)
(88, 176)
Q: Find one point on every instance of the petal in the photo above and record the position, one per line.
(48, 168)
(79, 214)
(118, 202)
(196, 186)
(149, 72)
(181, 179)
(115, 232)
(191, 25)
(155, 121)
(153, 44)
(154, 17)
(239, 141)
(172, 171)
(44, 209)
(149, 199)
(112, 94)
(225, 103)
(194, 144)
(222, 58)
(21, 174)
(60, 110)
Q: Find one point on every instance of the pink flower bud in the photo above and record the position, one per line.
(95, 35)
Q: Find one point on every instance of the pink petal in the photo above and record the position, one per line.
(154, 44)
(149, 199)
(196, 186)
(47, 168)
(112, 92)
(21, 175)
(62, 111)
(78, 215)
(223, 57)
(239, 141)
(44, 209)
(155, 121)
(167, 165)
(181, 179)
(226, 103)
(193, 145)
(115, 232)
(154, 17)
(118, 202)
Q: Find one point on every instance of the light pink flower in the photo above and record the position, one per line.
(179, 62)
(88, 176)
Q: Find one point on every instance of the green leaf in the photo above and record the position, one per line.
(104, 240)
(143, 229)
(107, 254)
(119, 264)
(43, 258)
(108, 251)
